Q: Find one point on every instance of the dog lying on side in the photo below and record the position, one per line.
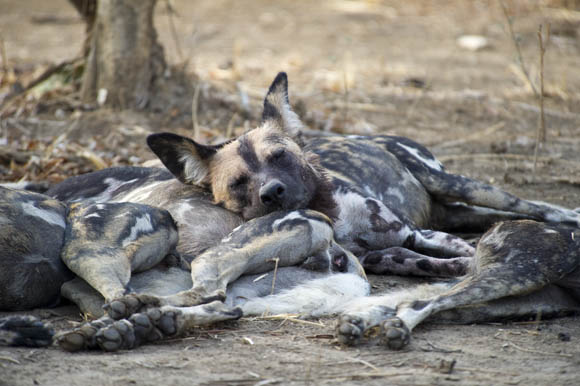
(520, 269)
(268, 200)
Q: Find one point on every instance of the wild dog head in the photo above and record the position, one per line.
(262, 171)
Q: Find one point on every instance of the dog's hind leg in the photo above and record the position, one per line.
(450, 187)
(402, 261)
(458, 216)
(447, 187)
(550, 301)
(24, 330)
(513, 258)
(280, 238)
(106, 242)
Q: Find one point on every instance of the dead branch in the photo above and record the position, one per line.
(3, 56)
(174, 35)
(194, 111)
(541, 130)
(516, 43)
(55, 68)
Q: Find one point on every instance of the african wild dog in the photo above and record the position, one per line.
(268, 198)
(520, 269)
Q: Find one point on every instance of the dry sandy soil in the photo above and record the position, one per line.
(354, 66)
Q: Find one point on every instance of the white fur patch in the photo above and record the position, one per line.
(44, 214)
(318, 297)
(430, 162)
(293, 124)
(320, 229)
(353, 212)
(142, 224)
(141, 194)
(112, 186)
(194, 169)
(397, 193)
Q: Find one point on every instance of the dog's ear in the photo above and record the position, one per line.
(186, 159)
(277, 107)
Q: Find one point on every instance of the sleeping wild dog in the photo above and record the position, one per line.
(310, 209)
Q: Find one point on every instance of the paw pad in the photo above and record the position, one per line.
(350, 330)
(395, 334)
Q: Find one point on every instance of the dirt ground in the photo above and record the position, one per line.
(354, 66)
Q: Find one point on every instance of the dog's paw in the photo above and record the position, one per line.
(350, 329)
(140, 328)
(118, 336)
(165, 320)
(83, 337)
(395, 334)
(130, 304)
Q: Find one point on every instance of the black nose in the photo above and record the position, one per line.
(273, 193)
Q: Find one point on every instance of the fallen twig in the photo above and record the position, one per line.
(276, 261)
(538, 351)
(439, 349)
(289, 317)
(507, 156)
(523, 349)
(481, 134)
(363, 362)
(9, 359)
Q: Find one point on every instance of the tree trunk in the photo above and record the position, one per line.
(124, 59)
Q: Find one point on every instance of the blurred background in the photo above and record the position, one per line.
(460, 76)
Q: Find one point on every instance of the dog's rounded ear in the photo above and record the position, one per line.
(186, 159)
(277, 107)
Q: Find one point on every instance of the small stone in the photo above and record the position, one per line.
(564, 336)
(472, 42)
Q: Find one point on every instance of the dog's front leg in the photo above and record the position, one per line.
(280, 238)
(104, 243)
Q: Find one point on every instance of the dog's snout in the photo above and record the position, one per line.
(273, 193)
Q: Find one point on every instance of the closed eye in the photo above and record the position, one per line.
(278, 154)
(239, 182)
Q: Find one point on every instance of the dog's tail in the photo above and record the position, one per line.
(27, 331)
